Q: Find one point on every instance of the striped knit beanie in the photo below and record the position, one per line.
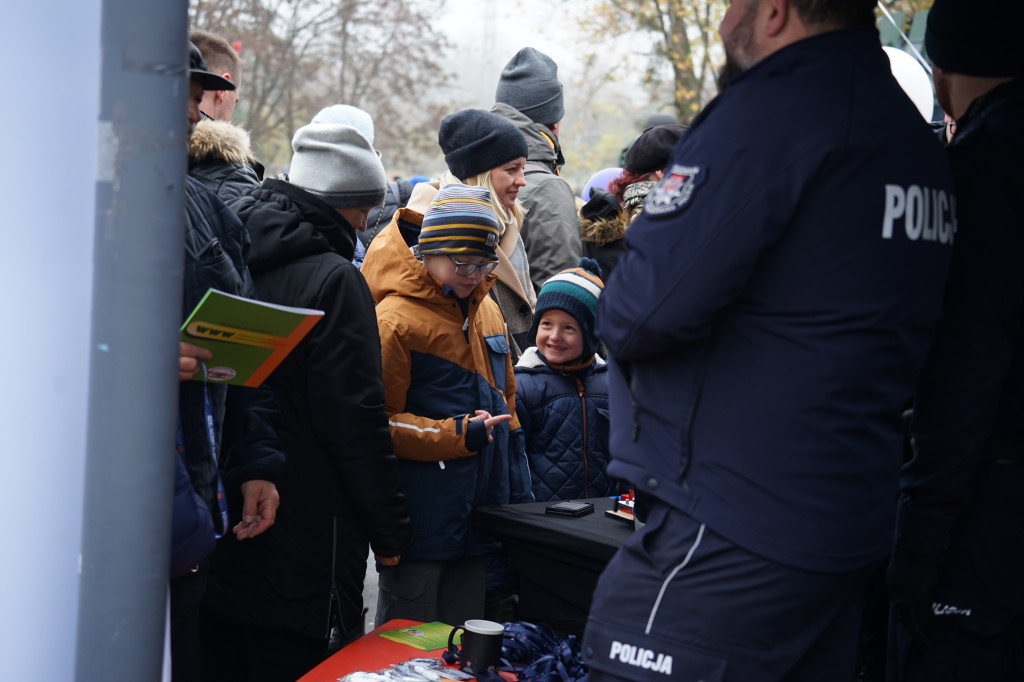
(574, 291)
(460, 220)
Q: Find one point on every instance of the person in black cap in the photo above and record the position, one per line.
(765, 328)
(219, 152)
(201, 80)
(956, 568)
(650, 122)
(530, 95)
(234, 467)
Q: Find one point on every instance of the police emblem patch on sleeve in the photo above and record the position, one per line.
(675, 189)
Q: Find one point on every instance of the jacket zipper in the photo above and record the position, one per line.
(333, 599)
(586, 463)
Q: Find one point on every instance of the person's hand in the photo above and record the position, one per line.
(259, 508)
(910, 579)
(189, 356)
(489, 421)
(387, 560)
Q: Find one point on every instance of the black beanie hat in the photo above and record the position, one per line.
(574, 291)
(474, 141)
(651, 150)
(976, 37)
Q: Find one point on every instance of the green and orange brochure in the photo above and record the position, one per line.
(248, 338)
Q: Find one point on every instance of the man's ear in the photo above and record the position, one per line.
(220, 93)
(776, 16)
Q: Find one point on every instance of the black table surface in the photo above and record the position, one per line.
(594, 536)
(559, 558)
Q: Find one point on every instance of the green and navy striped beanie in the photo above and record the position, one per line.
(574, 291)
(460, 220)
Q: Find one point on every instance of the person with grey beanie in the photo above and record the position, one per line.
(955, 569)
(298, 589)
(336, 163)
(530, 96)
(529, 83)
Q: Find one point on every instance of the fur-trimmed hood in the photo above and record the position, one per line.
(603, 230)
(220, 156)
(220, 141)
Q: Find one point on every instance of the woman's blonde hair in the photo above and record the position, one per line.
(506, 216)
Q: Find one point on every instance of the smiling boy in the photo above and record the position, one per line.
(562, 390)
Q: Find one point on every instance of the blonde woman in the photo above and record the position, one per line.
(485, 150)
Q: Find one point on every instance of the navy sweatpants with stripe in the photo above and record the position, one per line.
(680, 602)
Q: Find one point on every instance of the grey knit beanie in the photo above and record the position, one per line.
(474, 141)
(348, 115)
(529, 83)
(336, 163)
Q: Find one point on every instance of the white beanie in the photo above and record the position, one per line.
(338, 164)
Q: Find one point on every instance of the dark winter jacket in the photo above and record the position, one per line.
(396, 196)
(604, 239)
(604, 231)
(216, 245)
(565, 420)
(340, 489)
(961, 493)
(219, 156)
(551, 229)
(769, 318)
(192, 534)
(439, 368)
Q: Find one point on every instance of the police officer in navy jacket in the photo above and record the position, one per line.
(766, 327)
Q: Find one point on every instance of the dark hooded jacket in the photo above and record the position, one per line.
(216, 245)
(220, 157)
(961, 493)
(396, 196)
(603, 223)
(340, 490)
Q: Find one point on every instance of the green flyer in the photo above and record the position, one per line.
(426, 636)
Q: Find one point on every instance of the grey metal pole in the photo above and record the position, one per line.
(135, 314)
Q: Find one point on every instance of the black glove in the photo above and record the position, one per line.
(602, 204)
(910, 579)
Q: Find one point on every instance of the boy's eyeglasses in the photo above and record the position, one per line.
(467, 269)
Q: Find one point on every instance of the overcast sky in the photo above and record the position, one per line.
(544, 25)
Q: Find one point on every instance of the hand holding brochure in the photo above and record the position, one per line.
(248, 338)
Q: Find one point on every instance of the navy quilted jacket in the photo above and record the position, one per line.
(565, 420)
